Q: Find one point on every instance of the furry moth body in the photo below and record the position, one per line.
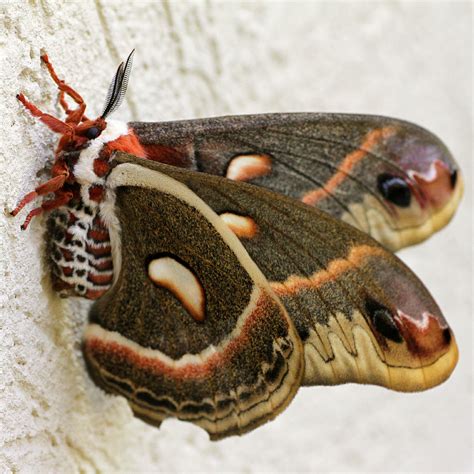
(221, 284)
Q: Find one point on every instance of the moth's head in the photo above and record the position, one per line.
(77, 132)
(420, 182)
(88, 130)
(85, 132)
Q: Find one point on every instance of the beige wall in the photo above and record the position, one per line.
(406, 59)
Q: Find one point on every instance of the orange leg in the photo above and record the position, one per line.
(53, 123)
(63, 103)
(31, 214)
(74, 116)
(62, 86)
(51, 186)
(69, 111)
(60, 199)
(27, 199)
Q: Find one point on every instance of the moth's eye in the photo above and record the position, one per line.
(394, 189)
(93, 132)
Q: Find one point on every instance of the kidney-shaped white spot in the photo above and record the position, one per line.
(248, 167)
(242, 226)
(175, 277)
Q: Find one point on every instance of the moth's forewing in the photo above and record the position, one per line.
(361, 315)
(390, 178)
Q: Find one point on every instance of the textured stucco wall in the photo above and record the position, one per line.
(409, 60)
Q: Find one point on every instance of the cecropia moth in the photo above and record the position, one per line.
(233, 259)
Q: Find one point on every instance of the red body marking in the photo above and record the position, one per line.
(79, 241)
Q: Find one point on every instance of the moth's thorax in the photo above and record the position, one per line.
(94, 162)
(79, 232)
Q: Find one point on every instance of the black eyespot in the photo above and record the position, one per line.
(93, 132)
(382, 320)
(303, 333)
(454, 178)
(394, 189)
(447, 335)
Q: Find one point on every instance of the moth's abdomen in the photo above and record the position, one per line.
(80, 251)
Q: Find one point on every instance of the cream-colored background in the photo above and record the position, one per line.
(405, 59)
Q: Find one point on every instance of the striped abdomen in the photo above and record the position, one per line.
(80, 250)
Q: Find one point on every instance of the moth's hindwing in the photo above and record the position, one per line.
(191, 328)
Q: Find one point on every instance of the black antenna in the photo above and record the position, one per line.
(118, 86)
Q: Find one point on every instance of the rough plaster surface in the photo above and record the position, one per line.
(409, 60)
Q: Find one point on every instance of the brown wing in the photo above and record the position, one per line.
(191, 328)
(362, 315)
(390, 178)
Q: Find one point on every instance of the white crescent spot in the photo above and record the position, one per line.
(241, 226)
(175, 277)
(247, 167)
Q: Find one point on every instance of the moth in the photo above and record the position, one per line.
(234, 259)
